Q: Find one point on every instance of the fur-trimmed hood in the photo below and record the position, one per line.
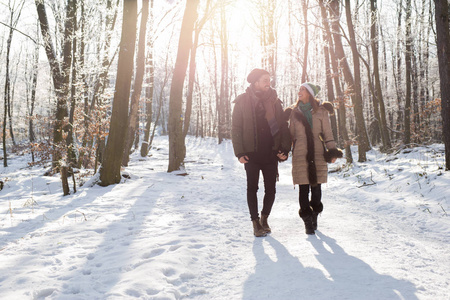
(328, 106)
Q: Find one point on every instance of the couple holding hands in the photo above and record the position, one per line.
(263, 134)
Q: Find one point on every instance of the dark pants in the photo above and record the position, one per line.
(315, 203)
(270, 172)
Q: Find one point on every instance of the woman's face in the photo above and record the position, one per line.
(303, 95)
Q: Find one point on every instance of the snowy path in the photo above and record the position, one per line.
(162, 236)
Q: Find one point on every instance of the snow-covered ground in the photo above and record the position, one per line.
(384, 232)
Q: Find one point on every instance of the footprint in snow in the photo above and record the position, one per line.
(187, 276)
(152, 292)
(175, 247)
(169, 272)
(197, 246)
(133, 293)
(86, 272)
(153, 253)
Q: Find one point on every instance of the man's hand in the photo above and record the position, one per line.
(243, 159)
(281, 156)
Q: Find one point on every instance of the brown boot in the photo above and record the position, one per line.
(258, 230)
(264, 223)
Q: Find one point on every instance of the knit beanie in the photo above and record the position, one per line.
(256, 74)
(312, 88)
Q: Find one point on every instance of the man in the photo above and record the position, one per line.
(260, 138)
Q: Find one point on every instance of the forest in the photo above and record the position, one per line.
(86, 83)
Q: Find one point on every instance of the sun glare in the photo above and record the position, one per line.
(241, 21)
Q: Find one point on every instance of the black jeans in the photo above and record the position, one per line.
(270, 171)
(316, 196)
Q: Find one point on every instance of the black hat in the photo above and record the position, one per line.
(256, 74)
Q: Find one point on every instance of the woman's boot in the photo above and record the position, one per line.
(317, 208)
(314, 220)
(258, 230)
(264, 223)
(308, 220)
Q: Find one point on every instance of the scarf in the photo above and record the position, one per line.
(266, 102)
(306, 110)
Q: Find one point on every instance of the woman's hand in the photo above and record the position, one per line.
(243, 159)
(282, 156)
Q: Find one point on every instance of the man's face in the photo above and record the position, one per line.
(263, 84)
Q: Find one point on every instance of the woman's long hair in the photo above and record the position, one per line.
(314, 102)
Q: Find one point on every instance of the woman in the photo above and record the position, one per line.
(308, 123)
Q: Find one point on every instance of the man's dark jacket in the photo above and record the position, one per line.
(244, 133)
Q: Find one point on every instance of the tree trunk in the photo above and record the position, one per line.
(150, 83)
(136, 95)
(363, 139)
(306, 40)
(271, 43)
(267, 37)
(343, 64)
(60, 80)
(72, 28)
(443, 47)
(160, 109)
(100, 84)
(374, 125)
(420, 102)
(202, 124)
(32, 103)
(85, 156)
(64, 180)
(328, 68)
(398, 74)
(14, 15)
(340, 95)
(192, 69)
(177, 150)
(112, 161)
(408, 67)
(7, 92)
(415, 56)
(378, 91)
(224, 84)
(6, 97)
(160, 103)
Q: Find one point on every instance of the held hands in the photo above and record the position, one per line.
(281, 156)
(243, 159)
